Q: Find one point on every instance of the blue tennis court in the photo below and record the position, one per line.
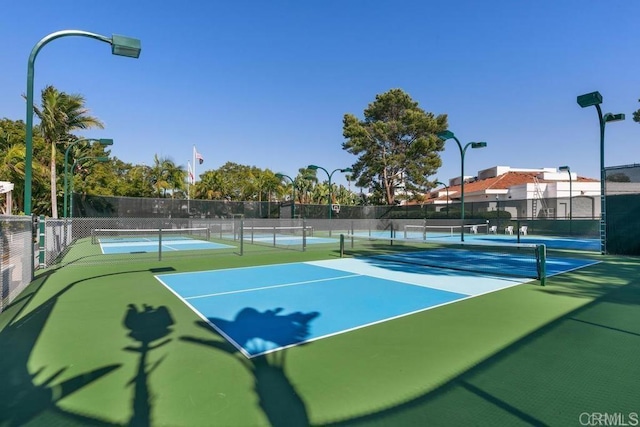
(118, 246)
(268, 308)
(551, 242)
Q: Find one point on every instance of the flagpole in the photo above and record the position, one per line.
(188, 179)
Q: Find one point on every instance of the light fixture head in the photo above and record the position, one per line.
(445, 134)
(589, 99)
(313, 167)
(564, 169)
(125, 46)
(346, 170)
(105, 141)
(478, 144)
(613, 117)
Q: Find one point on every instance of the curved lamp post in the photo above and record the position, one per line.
(329, 175)
(446, 187)
(73, 168)
(447, 134)
(293, 186)
(102, 141)
(120, 45)
(595, 99)
(568, 170)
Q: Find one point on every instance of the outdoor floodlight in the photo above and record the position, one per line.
(445, 134)
(613, 117)
(589, 99)
(478, 144)
(125, 46)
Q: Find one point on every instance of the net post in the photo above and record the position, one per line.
(274, 235)
(541, 261)
(341, 245)
(304, 235)
(160, 243)
(518, 228)
(392, 232)
(241, 234)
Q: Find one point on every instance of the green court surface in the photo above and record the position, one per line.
(107, 344)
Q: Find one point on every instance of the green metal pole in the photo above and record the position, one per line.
(99, 159)
(329, 196)
(570, 204)
(122, 46)
(28, 173)
(66, 165)
(462, 151)
(603, 203)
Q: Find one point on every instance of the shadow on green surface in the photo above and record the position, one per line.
(277, 396)
(25, 397)
(583, 362)
(146, 326)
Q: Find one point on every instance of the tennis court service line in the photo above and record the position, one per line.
(262, 288)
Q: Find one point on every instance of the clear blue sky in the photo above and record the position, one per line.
(266, 83)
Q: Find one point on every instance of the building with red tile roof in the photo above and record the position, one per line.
(525, 193)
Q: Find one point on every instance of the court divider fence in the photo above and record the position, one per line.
(25, 248)
(83, 241)
(18, 241)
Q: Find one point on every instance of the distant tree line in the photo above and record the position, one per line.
(395, 145)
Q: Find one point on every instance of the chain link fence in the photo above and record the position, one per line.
(263, 226)
(17, 240)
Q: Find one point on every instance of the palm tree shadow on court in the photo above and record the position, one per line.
(147, 327)
(25, 396)
(278, 397)
(28, 396)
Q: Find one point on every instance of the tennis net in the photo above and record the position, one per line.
(122, 235)
(496, 259)
(426, 231)
(270, 233)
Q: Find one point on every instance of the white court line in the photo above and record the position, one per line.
(273, 287)
(434, 278)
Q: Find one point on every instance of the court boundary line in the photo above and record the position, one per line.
(284, 285)
(206, 319)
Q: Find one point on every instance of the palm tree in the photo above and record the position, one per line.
(212, 186)
(60, 114)
(159, 175)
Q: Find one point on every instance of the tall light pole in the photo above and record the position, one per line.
(595, 99)
(568, 170)
(102, 141)
(315, 167)
(447, 134)
(293, 195)
(73, 168)
(120, 45)
(446, 188)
